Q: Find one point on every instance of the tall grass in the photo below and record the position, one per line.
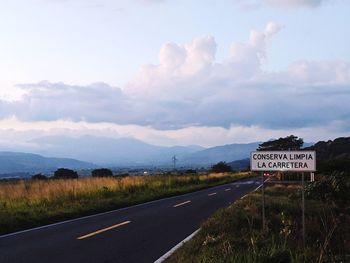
(29, 203)
(234, 234)
(38, 190)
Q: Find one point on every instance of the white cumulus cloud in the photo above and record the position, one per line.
(190, 88)
(296, 3)
(254, 4)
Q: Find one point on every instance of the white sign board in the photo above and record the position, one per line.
(297, 161)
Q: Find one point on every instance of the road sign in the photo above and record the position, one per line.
(297, 161)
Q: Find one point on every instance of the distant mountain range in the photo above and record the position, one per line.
(93, 151)
(240, 165)
(110, 152)
(15, 162)
(226, 153)
(132, 152)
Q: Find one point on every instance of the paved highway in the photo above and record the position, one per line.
(139, 234)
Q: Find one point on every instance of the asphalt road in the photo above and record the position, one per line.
(139, 234)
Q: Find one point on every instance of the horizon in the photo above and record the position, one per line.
(169, 73)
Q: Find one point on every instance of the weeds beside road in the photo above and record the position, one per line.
(234, 234)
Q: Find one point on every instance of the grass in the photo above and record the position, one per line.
(29, 203)
(234, 234)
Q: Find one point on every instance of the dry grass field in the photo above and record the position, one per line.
(29, 203)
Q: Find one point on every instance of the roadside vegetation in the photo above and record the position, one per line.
(235, 234)
(30, 203)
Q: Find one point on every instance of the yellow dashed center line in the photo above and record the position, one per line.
(228, 189)
(104, 230)
(211, 194)
(183, 203)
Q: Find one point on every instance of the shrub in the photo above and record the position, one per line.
(39, 177)
(101, 173)
(277, 257)
(63, 173)
(332, 187)
(341, 164)
(122, 175)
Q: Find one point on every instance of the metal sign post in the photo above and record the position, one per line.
(263, 201)
(303, 207)
(312, 177)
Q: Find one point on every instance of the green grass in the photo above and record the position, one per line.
(27, 204)
(234, 234)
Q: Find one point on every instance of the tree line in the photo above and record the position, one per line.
(64, 173)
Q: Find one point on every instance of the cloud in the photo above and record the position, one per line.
(313, 72)
(152, 1)
(296, 3)
(190, 88)
(51, 101)
(254, 4)
(202, 91)
(194, 63)
(16, 134)
(177, 63)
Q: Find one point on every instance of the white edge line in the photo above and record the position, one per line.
(244, 196)
(108, 212)
(260, 185)
(257, 188)
(171, 251)
(254, 190)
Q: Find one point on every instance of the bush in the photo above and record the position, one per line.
(278, 257)
(63, 173)
(190, 171)
(221, 167)
(39, 177)
(339, 164)
(332, 187)
(122, 175)
(101, 173)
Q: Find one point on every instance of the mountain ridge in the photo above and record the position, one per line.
(19, 162)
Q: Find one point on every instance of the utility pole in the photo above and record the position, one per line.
(174, 161)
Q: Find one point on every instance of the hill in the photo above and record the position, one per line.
(226, 153)
(22, 163)
(240, 165)
(332, 155)
(110, 151)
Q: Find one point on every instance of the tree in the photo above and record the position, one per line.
(289, 143)
(39, 177)
(190, 171)
(103, 172)
(221, 167)
(333, 155)
(63, 173)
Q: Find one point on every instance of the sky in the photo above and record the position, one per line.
(175, 72)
